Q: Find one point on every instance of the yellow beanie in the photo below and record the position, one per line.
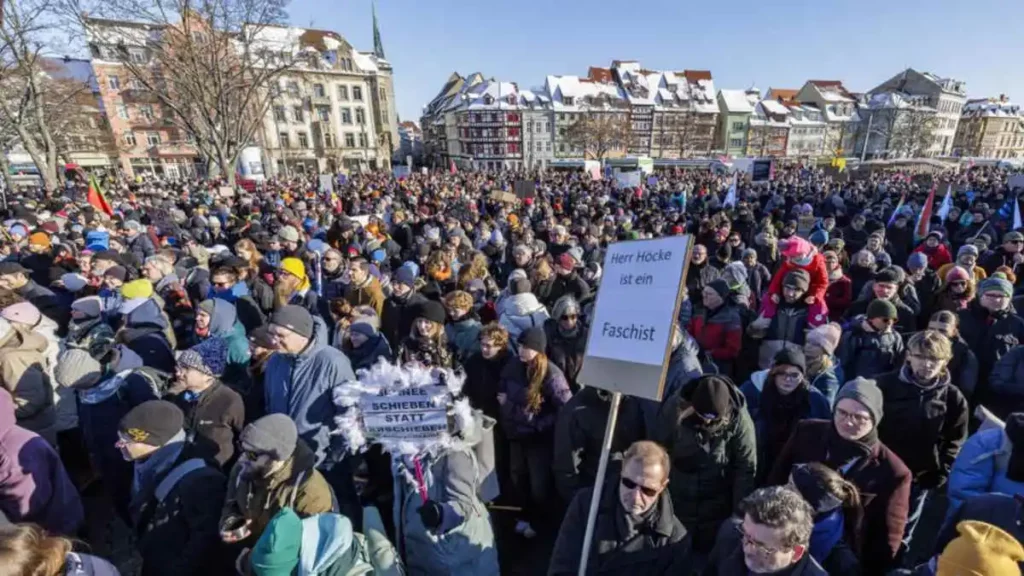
(295, 267)
(137, 289)
(981, 549)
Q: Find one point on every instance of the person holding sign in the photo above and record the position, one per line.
(636, 530)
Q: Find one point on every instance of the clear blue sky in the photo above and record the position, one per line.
(777, 44)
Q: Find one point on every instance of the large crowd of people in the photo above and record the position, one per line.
(844, 392)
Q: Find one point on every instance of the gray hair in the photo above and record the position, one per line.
(161, 263)
(782, 508)
(563, 305)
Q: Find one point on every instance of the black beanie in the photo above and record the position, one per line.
(712, 397)
(721, 287)
(153, 422)
(887, 276)
(534, 339)
(431, 310)
(790, 357)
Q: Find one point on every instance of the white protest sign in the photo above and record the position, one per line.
(361, 220)
(407, 414)
(637, 304)
(1015, 181)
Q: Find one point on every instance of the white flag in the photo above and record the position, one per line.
(947, 204)
(730, 197)
(1016, 214)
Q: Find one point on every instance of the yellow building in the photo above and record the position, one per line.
(990, 128)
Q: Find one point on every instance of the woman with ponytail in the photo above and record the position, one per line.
(531, 392)
(837, 517)
(27, 550)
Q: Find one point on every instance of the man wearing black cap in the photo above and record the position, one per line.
(15, 277)
(871, 346)
(172, 493)
(709, 435)
(886, 286)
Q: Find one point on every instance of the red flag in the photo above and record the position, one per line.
(97, 198)
(451, 167)
(924, 218)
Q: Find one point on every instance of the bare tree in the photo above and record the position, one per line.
(913, 132)
(597, 133)
(208, 63)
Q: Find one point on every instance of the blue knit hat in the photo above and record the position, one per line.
(917, 261)
(209, 357)
(819, 237)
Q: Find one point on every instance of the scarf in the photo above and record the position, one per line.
(906, 375)
(105, 389)
(827, 532)
(1015, 432)
(843, 454)
(146, 472)
(836, 274)
(783, 411)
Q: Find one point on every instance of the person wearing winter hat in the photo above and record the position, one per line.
(936, 251)
(849, 444)
(115, 277)
(531, 392)
(73, 283)
(289, 238)
(800, 254)
(777, 400)
(991, 327)
(364, 344)
(823, 371)
(214, 413)
(712, 411)
(397, 314)
(137, 240)
(717, 327)
(838, 512)
(871, 346)
(981, 549)
(87, 329)
(886, 286)
(567, 281)
(16, 278)
(1009, 253)
(293, 286)
(217, 318)
(177, 534)
(426, 343)
(275, 470)
(967, 258)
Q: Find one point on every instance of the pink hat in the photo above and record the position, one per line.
(23, 313)
(957, 273)
(826, 337)
(796, 247)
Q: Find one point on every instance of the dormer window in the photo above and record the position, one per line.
(488, 99)
(511, 99)
(568, 100)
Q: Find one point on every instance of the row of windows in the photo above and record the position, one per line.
(152, 139)
(323, 113)
(319, 91)
(302, 140)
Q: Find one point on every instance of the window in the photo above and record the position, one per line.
(362, 141)
(129, 139)
(318, 91)
(303, 140)
(360, 116)
(737, 126)
(324, 113)
(561, 147)
(114, 82)
(735, 143)
(547, 127)
(342, 92)
(346, 116)
(293, 88)
(297, 113)
(328, 140)
(548, 146)
(146, 112)
(282, 139)
(152, 138)
(357, 93)
(279, 114)
(198, 37)
(350, 140)
(122, 111)
(135, 84)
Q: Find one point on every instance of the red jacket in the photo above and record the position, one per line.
(937, 257)
(819, 283)
(719, 332)
(838, 297)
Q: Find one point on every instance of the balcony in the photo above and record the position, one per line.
(322, 100)
(139, 96)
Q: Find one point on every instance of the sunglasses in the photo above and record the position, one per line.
(630, 485)
(570, 316)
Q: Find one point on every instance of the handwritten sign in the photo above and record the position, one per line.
(409, 414)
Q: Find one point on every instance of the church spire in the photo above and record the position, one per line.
(378, 46)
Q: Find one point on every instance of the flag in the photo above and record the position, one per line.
(451, 167)
(730, 196)
(1016, 214)
(947, 204)
(1008, 215)
(97, 198)
(924, 218)
(899, 206)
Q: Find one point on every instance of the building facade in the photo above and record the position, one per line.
(735, 108)
(769, 130)
(806, 132)
(410, 144)
(84, 134)
(838, 109)
(990, 128)
(946, 96)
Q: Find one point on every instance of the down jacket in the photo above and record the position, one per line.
(1006, 384)
(980, 468)
(23, 374)
(520, 312)
(867, 354)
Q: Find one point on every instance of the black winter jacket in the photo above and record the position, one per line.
(867, 354)
(213, 421)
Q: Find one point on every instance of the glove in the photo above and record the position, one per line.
(431, 514)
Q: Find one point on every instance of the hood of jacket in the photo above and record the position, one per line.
(759, 378)
(737, 400)
(238, 290)
(147, 315)
(521, 304)
(223, 319)
(23, 339)
(327, 539)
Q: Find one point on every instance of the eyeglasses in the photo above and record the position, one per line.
(859, 419)
(995, 296)
(630, 485)
(757, 546)
(251, 456)
(790, 375)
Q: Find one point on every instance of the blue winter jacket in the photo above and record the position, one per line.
(980, 468)
(224, 324)
(300, 386)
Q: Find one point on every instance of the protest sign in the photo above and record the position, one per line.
(1016, 181)
(525, 189)
(500, 196)
(637, 304)
(652, 181)
(326, 183)
(362, 220)
(630, 179)
(226, 192)
(405, 414)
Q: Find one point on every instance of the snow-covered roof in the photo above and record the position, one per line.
(770, 113)
(991, 108)
(364, 61)
(71, 69)
(736, 101)
(773, 107)
(804, 115)
(584, 94)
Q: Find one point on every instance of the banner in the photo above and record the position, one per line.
(405, 414)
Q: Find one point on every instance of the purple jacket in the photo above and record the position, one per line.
(519, 422)
(34, 487)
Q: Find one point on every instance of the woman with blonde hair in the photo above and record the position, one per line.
(531, 392)
(27, 550)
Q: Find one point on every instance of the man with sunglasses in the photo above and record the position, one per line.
(772, 536)
(871, 346)
(991, 327)
(636, 531)
(1010, 253)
